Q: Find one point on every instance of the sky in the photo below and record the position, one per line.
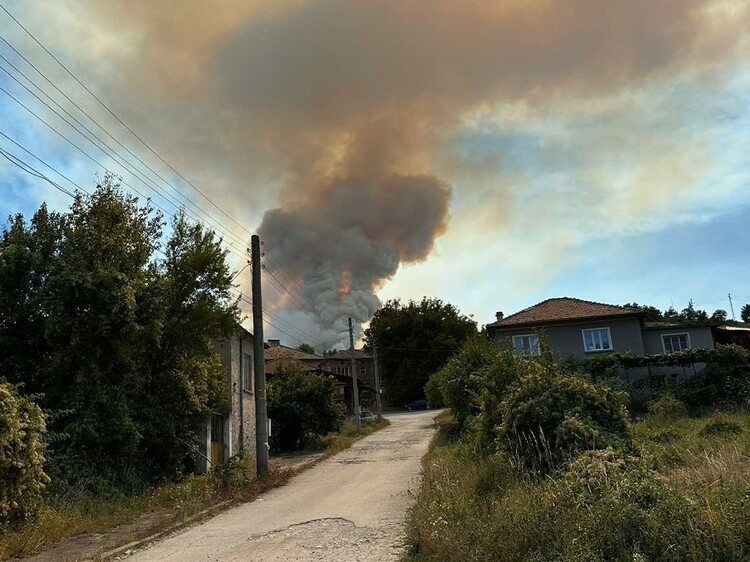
(492, 155)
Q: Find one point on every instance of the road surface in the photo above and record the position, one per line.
(350, 507)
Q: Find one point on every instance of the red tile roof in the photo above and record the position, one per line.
(563, 309)
(283, 352)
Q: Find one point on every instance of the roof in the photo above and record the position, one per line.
(744, 328)
(564, 309)
(346, 354)
(283, 352)
(273, 364)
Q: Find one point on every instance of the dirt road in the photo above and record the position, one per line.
(350, 507)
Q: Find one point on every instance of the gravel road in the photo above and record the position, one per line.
(350, 507)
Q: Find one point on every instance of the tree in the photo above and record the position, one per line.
(116, 342)
(415, 340)
(302, 406)
(745, 313)
(718, 317)
(306, 348)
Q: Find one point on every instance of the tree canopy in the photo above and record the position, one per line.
(689, 315)
(414, 340)
(114, 338)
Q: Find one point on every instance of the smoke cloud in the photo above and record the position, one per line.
(340, 115)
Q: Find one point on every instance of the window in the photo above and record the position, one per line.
(248, 382)
(675, 342)
(598, 339)
(527, 345)
(344, 371)
(342, 390)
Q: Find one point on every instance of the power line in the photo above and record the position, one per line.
(144, 143)
(34, 172)
(107, 150)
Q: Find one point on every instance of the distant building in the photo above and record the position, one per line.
(579, 329)
(227, 428)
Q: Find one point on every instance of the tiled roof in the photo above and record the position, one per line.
(283, 352)
(273, 364)
(345, 354)
(561, 310)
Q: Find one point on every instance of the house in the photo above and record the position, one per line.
(231, 428)
(578, 328)
(277, 354)
(341, 362)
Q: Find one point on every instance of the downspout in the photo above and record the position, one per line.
(242, 400)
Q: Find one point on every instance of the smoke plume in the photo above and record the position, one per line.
(337, 114)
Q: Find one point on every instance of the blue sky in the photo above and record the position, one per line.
(614, 173)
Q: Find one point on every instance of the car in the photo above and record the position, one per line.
(420, 404)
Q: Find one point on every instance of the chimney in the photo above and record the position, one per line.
(274, 343)
(499, 315)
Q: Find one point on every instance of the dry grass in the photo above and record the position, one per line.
(163, 507)
(685, 499)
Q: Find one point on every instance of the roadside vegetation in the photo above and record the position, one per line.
(537, 462)
(173, 503)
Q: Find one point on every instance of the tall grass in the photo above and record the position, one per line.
(686, 498)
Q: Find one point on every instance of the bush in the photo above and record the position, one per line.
(667, 408)
(549, 418)
(22, 477)
(302, 407)
(456, 383)
(720, 424)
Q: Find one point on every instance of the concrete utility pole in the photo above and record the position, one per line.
(378, 404)
(731, 306)
(355, 390)
(259, 363)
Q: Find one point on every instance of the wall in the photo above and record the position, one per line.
(567, 339)
(700, 337)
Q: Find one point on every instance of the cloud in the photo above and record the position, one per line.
(346, 129)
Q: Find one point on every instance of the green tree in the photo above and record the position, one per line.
(415, 340)
(306, 348)
(745, 313)
(116, 342)
(302, 406)
(718, 317)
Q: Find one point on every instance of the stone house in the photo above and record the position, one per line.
(231, 429)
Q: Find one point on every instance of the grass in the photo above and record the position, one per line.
(174, 503)
(687, 497)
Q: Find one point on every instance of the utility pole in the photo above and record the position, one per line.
(259, 362)
(378, 404)
(731, 306)
(355, 390)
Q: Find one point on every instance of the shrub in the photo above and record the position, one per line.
(22, 477)
(456, 382)
(720, 424)
(302, 407)
(667, 408)
(549, 418)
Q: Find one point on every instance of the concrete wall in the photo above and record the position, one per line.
(700, 337)
(567, 339)
(241, 415)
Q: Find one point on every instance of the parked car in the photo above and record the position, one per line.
(420, 404)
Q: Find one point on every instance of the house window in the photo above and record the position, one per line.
(343, 371)
(675, 342)
(342, 391)
(248, 382)
(598, 339)
(527, 345)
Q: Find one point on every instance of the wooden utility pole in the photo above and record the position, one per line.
(259, 362)
(378, 403)
(355, 390)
